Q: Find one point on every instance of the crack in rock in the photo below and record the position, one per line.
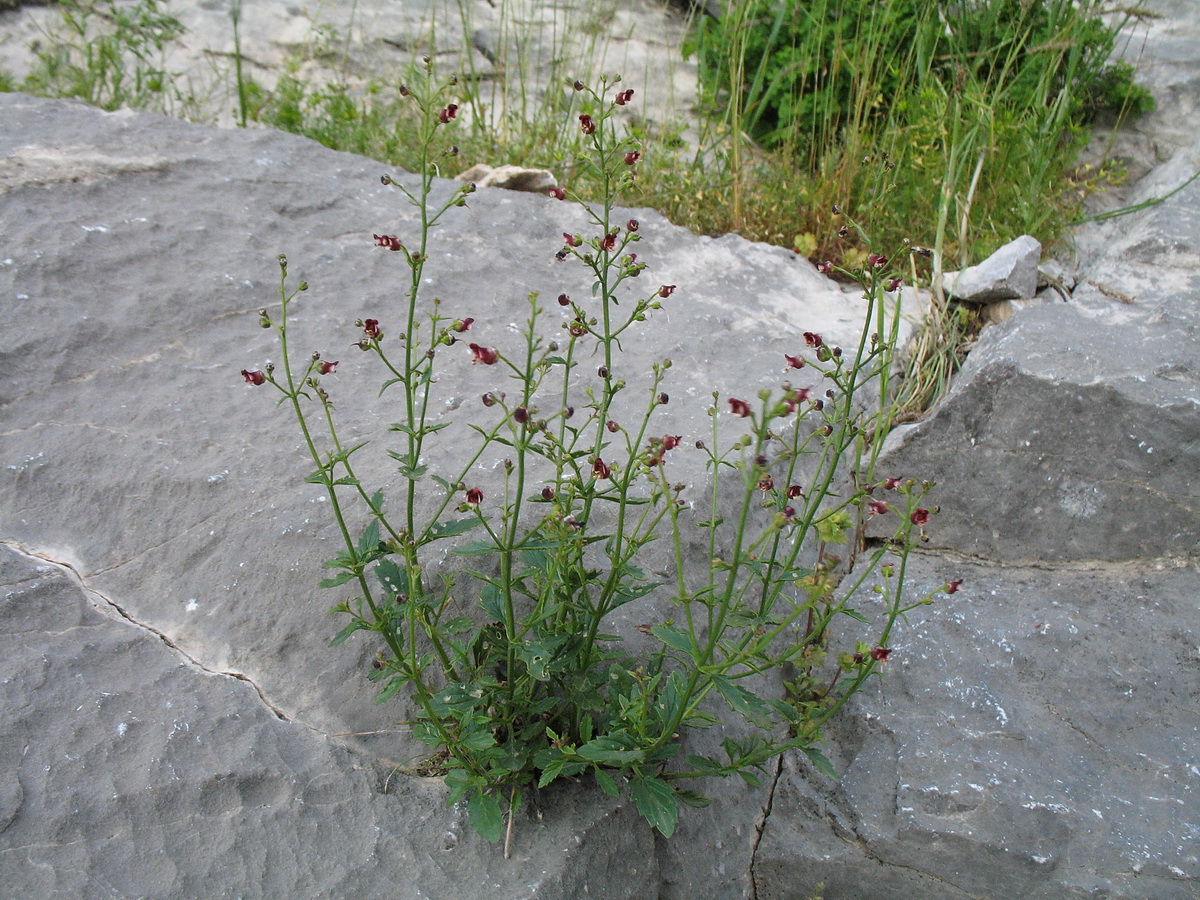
(117, 611)
(761, 825)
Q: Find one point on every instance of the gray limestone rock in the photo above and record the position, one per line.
(1011, 273)
(138, 252)
(1072, 431)
(1032, 736)
(133, 770)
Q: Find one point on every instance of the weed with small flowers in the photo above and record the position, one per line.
(509, 662)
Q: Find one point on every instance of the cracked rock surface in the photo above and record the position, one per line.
(173, 724)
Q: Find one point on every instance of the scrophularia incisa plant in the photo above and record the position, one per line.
(508, 661)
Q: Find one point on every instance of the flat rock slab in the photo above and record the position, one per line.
(1033, 736)
(130, 770)
(138, 252)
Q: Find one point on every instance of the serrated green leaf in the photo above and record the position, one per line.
(336, 580)
(854, 614)
(457, 625)
(704, 764)
(609, 752)
(390, 690)
(475, 548)
(393, 578)
(692, 798)
(353, 626)
(674, 639)
(492, 601)
(656, 801)
(449, 529)
(605, 782)
(486, 816)
(551, 771)
(741, 701)
(369, 538)
(480, 739)
(535, 656)
(820, 762)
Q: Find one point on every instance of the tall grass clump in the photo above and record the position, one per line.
(112, 55)
(865, 104)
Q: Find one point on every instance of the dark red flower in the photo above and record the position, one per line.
(448, 113)
(608, 242)
(825, 267)
(547, 493)
(256, 377)
(601, 469)
(632, 225)
(371, 329)
(474, 496)
(557, 193)
(463, 324)
(878, 507)
(485, 355)
(612, 426)
(663, 398)
(666, 291)
(794, 491)
(671, 441)
(586, 123)
(573, 240)
(325, 367)
(891, 483)
(390, 241)
(953, 586)
(813, 340)
(632, 157)
(893, 284)
(877, 260)
(919, 516)
(623, 97)
(739, 407)
(564, 300)
(521, 415)
(881, 654)
(794, 362)
(766, 483)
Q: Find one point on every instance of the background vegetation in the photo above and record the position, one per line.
(953, 124)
